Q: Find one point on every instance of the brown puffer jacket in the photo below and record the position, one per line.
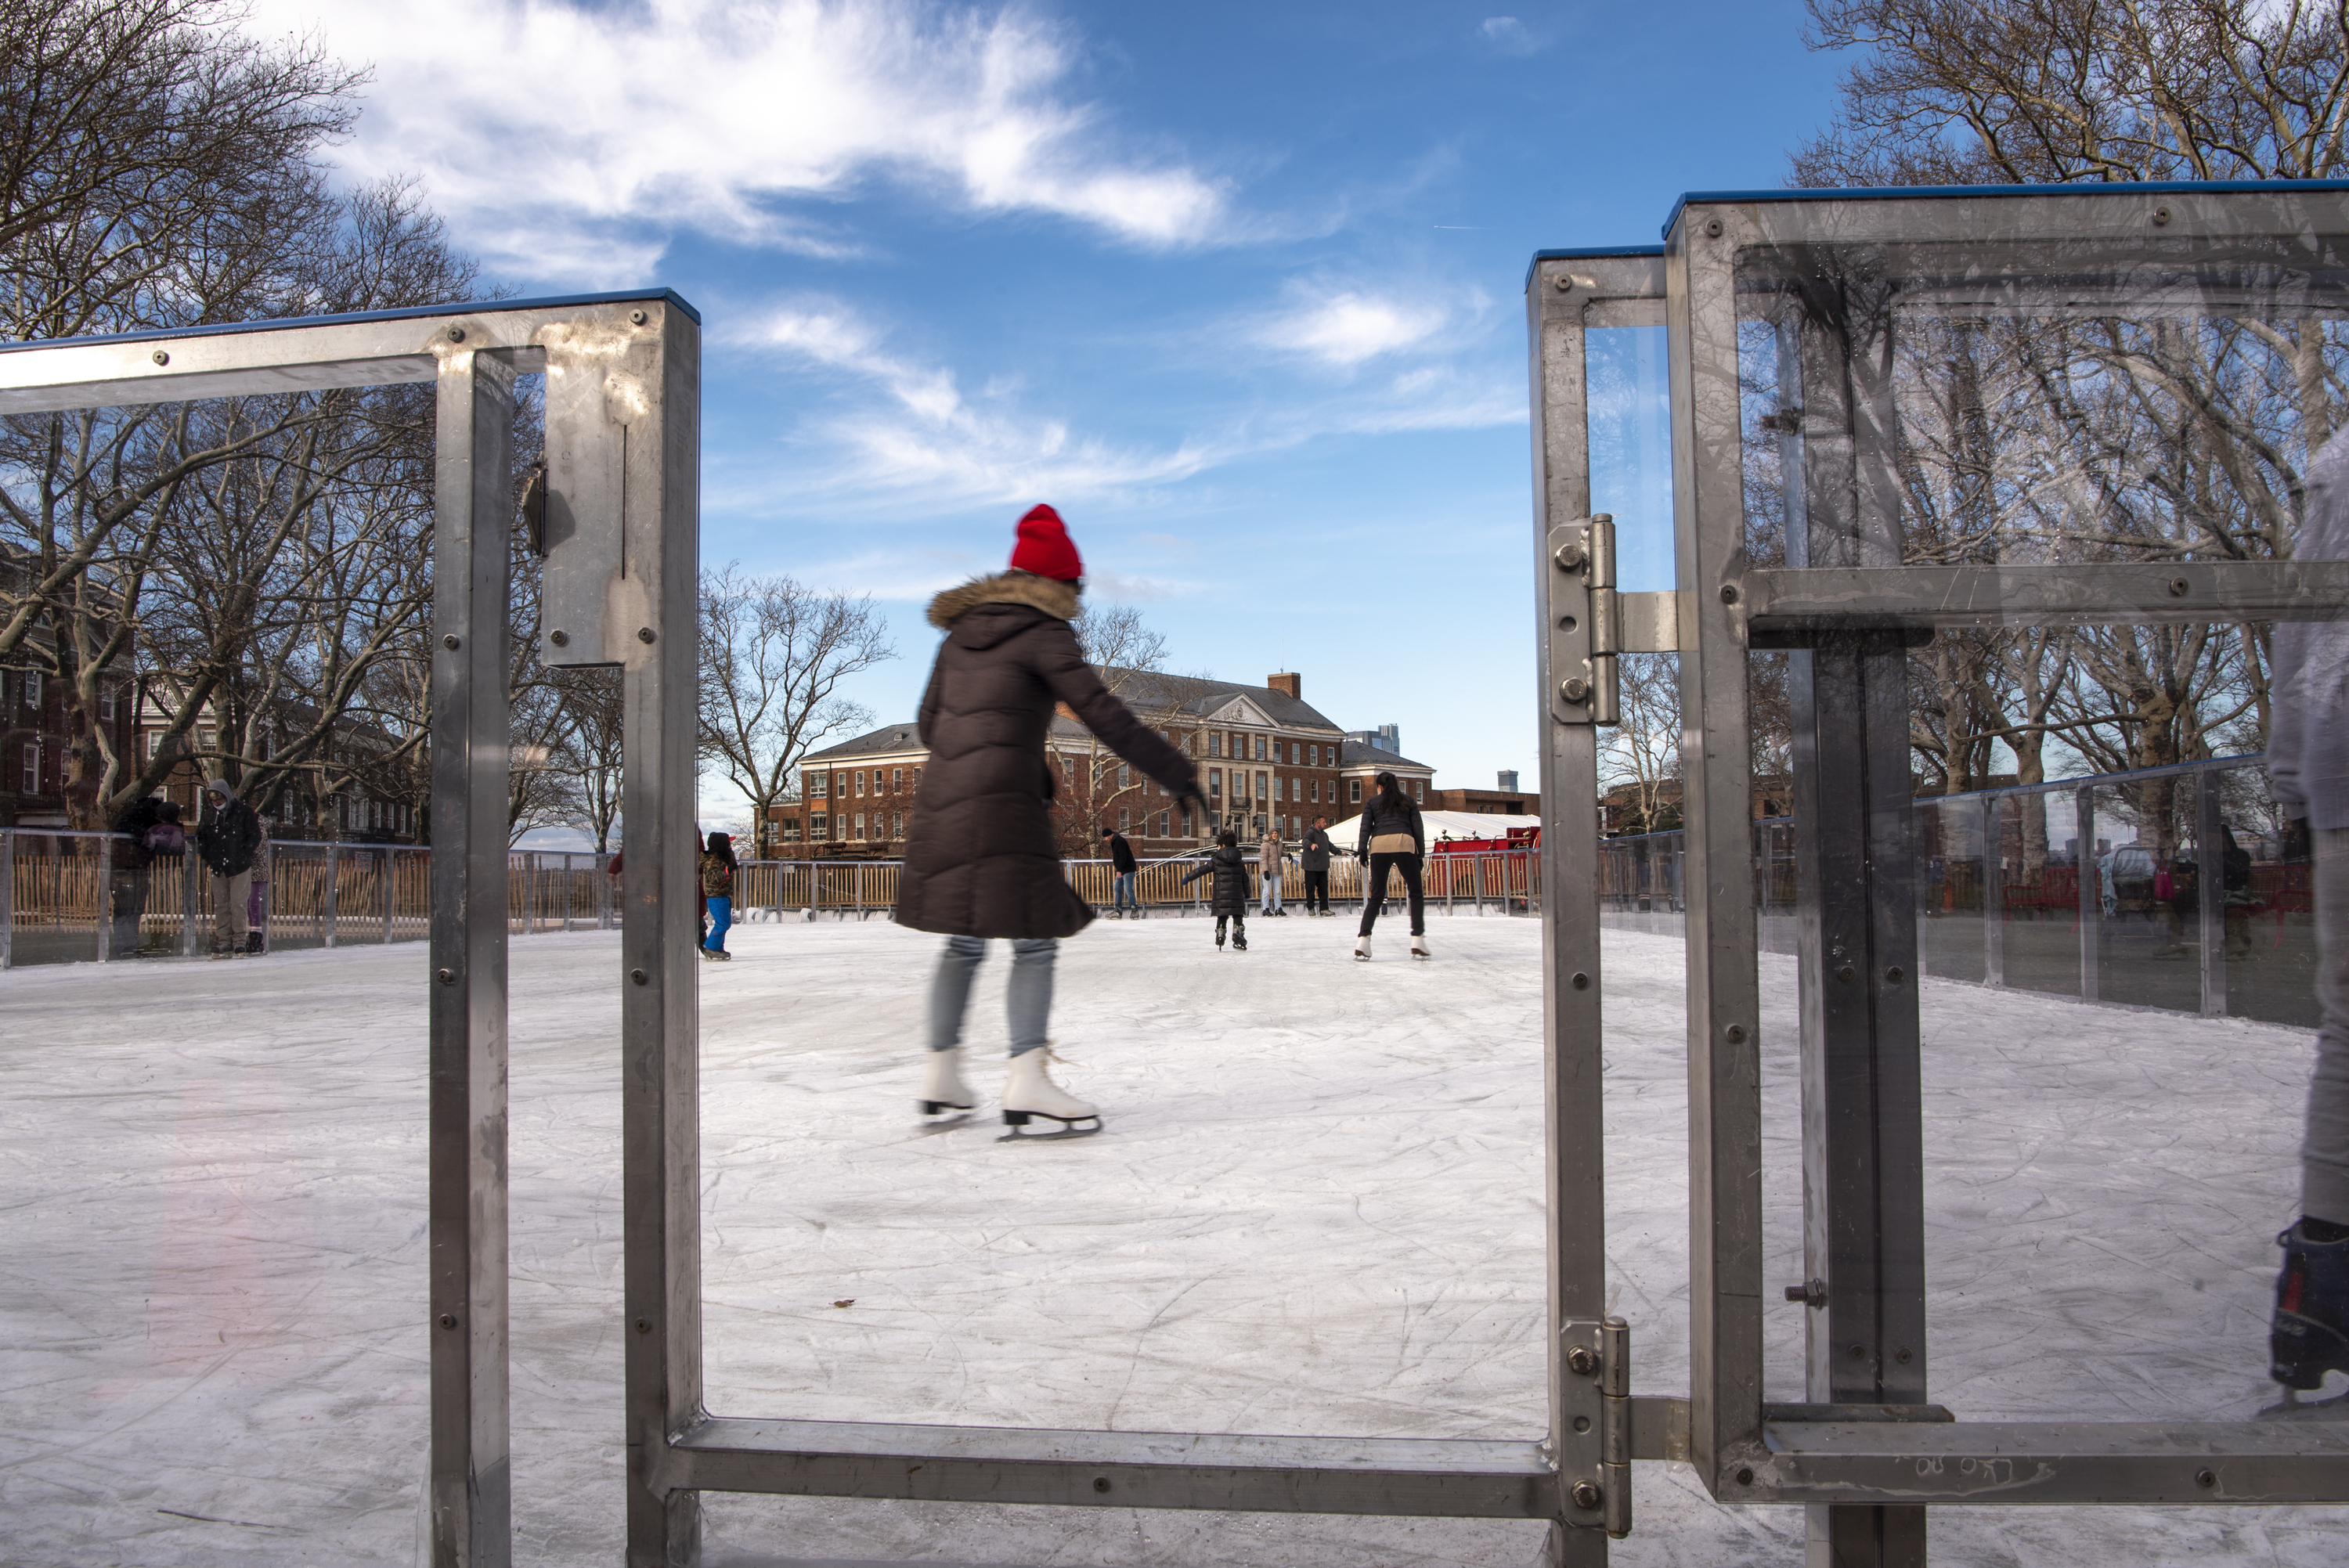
(980, 857)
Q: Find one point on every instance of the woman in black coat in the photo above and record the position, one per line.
(1393, 838)
(1227, 895)
(982, 858)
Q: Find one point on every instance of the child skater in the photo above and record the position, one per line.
(1229, 893)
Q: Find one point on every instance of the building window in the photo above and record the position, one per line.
(917, 781)
(1314, 787)
(1354, 791)
(896, 781)
(1216, 782)
(791, 830)
(31, 767)
(1216, 744)
(1419, 789)
(1260, 795)
(106, 701)
(817, 788)
(818, 826)
(1163, 824)
(32, 688)
(896, 825)
(839, 789)
(860, 827)
(1124, 776)
(1124, 818)
(1295, 754)
(858, 777)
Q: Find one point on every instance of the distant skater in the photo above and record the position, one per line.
(717, 868)
(1269, 857)
(1314, 858)
(1227, 895)
(227, 837)
(1122, 862)
(1393, 837)
(982, 860)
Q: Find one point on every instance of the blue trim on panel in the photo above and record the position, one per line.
(1588, 253)
(1899, 192)
(470, 307)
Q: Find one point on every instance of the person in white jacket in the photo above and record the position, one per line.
(2308, 769)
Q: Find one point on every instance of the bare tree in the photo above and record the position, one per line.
(1094, 784)
(2107, 438)
(774, 653)
(592, 754)
(1642, 753)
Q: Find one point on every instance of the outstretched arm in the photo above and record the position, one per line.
(1073, 682)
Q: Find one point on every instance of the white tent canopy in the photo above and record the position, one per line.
(1440, 825)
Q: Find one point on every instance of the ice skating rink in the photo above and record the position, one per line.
(1315, 1209)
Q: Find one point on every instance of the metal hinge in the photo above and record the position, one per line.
(1590, 629)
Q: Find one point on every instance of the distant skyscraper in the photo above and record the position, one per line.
(1386, 738)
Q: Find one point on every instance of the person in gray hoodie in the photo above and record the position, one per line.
(2308, 768)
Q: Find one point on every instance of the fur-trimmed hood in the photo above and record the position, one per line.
(1056, 599)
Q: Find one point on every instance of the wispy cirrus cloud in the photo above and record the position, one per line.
(909, 428)
(896, 432)
(565, 139)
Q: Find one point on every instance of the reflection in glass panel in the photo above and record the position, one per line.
(2102, 1184)
(1632, 450)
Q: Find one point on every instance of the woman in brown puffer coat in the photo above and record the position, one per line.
(982, 858)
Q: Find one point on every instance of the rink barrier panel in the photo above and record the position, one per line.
(620, 540)
(1864, 607)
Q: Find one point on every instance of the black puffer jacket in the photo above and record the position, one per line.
(1384, 815)
(228, 837)
(980, 857)
(1228, 894)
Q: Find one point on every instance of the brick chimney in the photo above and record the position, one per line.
(1288, 682)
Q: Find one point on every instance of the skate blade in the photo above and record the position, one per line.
(2290, 1409)
(1067, 1129)
(929, 1125)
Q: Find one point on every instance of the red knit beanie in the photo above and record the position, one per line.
(1045, 548)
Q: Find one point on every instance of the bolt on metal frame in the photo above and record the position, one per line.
(1866, 1452)
(623, 373)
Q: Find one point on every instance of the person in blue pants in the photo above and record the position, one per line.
(718, 895)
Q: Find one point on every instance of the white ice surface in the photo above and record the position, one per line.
(1315, 1211)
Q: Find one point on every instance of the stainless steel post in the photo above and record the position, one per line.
(104, 897)
(333, 895)
(624, 441)
(2211, 889)
(1993, 894)
(1854, 867)
(1574, 1191)
(387, 883)
(2091, 890)
(471, 1479)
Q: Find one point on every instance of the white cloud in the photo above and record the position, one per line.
(924, 435)
(1510, 36)
(1344, 329)
(565, 140)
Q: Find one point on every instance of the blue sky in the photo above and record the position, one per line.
(1238, 287)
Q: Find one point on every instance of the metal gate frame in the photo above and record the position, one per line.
(1867, 1459)
(622, 396)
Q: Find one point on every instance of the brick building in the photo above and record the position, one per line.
(1264, 753)
(33, 741)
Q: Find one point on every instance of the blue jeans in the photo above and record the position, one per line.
(1272, 893)
(1029, 999)
(721, 915)
(1125, 899)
